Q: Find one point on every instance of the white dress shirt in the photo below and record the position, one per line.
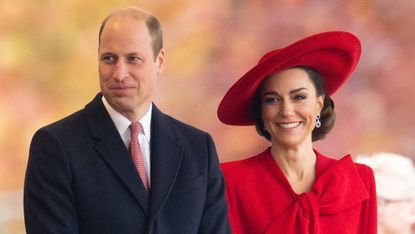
(123, 126)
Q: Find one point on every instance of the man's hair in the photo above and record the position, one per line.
(152, 23)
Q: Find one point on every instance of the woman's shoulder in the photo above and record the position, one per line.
(245, 165)
(241, 164)
(364, 171)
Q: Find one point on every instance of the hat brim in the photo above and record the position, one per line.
(334, 55)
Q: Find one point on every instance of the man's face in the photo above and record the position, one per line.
(127, 67)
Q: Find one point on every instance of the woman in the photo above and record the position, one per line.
(291, 187)
(395, 183)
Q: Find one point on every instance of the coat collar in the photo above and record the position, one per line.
(112, 149)
(166, 155)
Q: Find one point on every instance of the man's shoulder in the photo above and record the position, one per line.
(183, 127)
(78, 119)
(69, 122)
(179, 126)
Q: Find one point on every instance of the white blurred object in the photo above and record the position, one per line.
(394, 174)
(11, 211)
(395, 187)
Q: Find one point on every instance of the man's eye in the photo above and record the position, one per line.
(134, 59)
(108, 59)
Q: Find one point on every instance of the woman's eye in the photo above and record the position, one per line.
(300, 97)
(271, 100)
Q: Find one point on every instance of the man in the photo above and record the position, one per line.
(92, 172)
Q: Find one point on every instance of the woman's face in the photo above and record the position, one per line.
(289, 106)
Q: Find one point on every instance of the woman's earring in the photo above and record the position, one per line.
(318, 123)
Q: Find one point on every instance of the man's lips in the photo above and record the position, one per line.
(121, 90)
(121, 87)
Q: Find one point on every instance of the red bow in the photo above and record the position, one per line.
(336, 189)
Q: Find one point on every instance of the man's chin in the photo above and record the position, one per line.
(120, 102)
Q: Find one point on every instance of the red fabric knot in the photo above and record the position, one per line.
(324, 199)
(309, 211)
(136, 154)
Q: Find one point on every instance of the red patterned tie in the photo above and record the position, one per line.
(136, 155)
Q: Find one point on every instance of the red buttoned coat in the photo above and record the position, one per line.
(260, 199)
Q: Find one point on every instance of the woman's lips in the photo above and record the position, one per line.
(288, 125)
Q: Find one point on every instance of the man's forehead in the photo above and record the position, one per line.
(126, 24)
(125, 18)
(128, 14)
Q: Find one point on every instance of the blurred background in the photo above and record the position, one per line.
(48, 69)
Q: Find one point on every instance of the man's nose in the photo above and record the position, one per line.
(121, 71)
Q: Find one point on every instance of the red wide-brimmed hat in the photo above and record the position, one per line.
(334, 55)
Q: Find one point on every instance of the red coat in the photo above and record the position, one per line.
(260, 199)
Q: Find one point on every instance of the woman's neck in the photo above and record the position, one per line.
(298, 165)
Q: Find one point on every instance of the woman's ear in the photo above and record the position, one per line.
(320, 103)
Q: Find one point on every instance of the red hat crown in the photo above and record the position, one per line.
(334, 55)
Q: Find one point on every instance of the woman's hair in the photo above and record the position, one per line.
(327, 115)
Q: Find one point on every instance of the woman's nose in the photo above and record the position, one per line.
(287, 108)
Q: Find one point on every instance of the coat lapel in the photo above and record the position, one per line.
(166, 158)
(112, 149)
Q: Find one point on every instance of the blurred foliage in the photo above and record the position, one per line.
(48, 69)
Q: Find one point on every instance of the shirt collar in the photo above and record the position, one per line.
(122, 123)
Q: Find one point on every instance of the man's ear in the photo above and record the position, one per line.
(160, 60)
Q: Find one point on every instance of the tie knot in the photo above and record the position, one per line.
(135, 128)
